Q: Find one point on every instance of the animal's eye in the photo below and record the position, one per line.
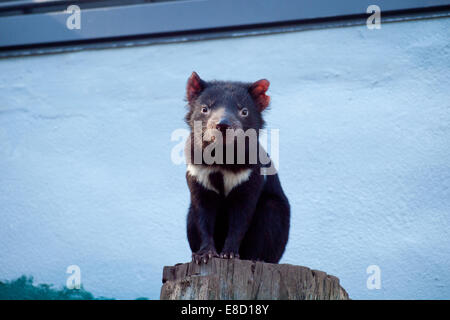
(205, 109)
(244, 112)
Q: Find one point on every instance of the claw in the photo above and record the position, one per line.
(203, 256)
(229, 255)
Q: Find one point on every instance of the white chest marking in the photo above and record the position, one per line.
(230, 179)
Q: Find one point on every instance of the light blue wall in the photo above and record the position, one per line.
(364, 118)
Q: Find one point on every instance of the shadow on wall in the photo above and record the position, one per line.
(23, 289)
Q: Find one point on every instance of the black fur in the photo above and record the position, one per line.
(252, 221)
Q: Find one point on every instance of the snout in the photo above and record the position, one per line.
(223, 124)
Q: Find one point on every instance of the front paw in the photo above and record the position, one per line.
(229, 254)
(204, 255)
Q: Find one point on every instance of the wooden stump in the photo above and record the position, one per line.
(224, 279)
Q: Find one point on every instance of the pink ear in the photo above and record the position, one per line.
(258, 91)
(194, 87)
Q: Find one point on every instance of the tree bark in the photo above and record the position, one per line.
(234, 279)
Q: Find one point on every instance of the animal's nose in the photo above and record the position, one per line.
(223, 125)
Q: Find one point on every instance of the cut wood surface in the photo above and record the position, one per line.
(233, 279)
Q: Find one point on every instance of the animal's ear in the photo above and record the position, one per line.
(258, 92)
(194, 87)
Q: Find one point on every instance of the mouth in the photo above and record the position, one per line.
(223, 139)
(216, 136)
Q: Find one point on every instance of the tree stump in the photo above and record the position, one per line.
(234, 279)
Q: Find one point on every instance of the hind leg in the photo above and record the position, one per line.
(267, 236)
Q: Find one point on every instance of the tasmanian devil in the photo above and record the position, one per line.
(237, 209)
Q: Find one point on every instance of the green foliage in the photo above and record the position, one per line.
(24, 289)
